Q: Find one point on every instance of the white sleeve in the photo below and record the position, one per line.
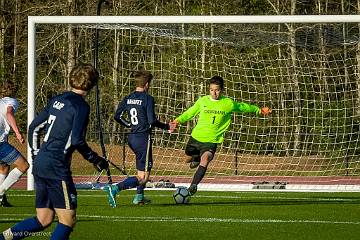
(12, 102)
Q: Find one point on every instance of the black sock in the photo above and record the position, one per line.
(199, 174)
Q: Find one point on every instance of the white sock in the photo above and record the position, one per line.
(2, 178)
(12, 178)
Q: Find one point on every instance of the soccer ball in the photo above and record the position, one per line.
(182, 195)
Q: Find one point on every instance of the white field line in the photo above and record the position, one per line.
(15, 217)
(315, 199)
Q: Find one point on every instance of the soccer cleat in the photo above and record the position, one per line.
(112, 191)
(4, 202)
(139, 199)
(194, 161)
(192, 189)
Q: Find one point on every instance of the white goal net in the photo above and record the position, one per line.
(308, 73)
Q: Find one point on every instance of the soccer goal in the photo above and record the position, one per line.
(306, 68)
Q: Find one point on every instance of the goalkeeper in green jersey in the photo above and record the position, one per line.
(214, 118)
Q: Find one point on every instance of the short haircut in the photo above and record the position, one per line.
(217, 81)
(142, 77)
(83, 77)
(8, 89)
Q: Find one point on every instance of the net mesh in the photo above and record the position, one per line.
(308, 75)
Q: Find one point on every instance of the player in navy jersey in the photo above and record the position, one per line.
(137, 111)
(65, 120)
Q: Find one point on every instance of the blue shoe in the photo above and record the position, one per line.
(139, 199)
(112, 191)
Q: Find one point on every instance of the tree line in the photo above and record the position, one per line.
(299, 125)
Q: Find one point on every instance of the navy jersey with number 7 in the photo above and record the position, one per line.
(65, 120)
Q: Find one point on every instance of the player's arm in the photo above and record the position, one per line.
(119, 114)
(36, 126)
(78, 141)
(245, 107)
(189, 114)
(153, 121)
(10, 117)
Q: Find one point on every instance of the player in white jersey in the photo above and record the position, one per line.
(9, 155)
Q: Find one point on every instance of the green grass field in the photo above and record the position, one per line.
(210, 215)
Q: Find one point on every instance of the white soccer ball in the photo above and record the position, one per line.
(182, 195)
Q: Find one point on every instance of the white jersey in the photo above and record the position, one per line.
(4, 125)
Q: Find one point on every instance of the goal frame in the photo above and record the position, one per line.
(33, 20)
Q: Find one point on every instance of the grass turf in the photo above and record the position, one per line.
(210, 215)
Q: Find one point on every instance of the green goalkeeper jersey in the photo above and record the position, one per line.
(214, 117)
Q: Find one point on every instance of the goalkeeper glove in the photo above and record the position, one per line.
(100, 163)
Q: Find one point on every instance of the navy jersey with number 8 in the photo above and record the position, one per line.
(140, 110)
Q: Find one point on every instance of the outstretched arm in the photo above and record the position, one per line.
(12, 121)
(189, 114)
(245, 107)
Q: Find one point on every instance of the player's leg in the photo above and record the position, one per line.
(11, 156)
(63, 197)
(67, 220)
(4, 171)
(193, 153)
(113, 190)
(20, 167)
(44, 215)
(30, 225)
(144, 163)
(207, 154)
(143, 178)
(135, 143)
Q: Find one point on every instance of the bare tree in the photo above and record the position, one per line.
(15, 50)
(2, 41)
(71, 42)
(115, 75)
(323, 59)
(344, 32)
(294, 74)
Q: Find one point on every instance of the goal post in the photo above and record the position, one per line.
(310, 143)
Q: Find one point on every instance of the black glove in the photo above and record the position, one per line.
(100, 163)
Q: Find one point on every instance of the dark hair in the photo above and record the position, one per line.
(83, 77)
(142, 77)
(8, 89)
(218, 81)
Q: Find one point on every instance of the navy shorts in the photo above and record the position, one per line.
(141, 145)
(8, 154)
(196, 148)
(51, 193)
